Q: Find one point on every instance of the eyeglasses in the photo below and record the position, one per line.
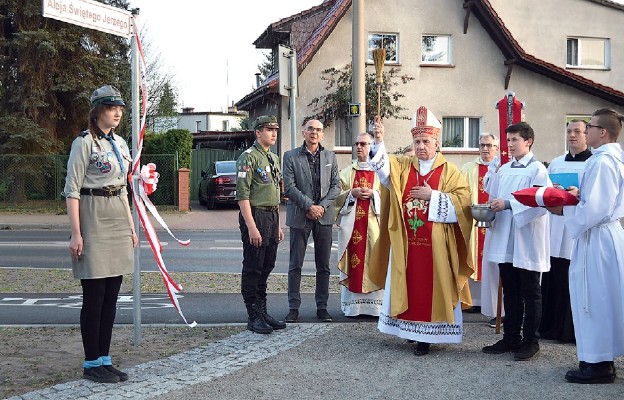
(594, 126)
(486, 145)
(361, 144)
(313, 129)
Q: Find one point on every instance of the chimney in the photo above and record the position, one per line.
(257, 79)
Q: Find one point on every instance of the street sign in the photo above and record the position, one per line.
(354, 109)
(287, 69)
(90, 14)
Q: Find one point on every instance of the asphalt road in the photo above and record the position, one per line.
(204, 308)
(210, 251)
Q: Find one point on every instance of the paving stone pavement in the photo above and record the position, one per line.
(191, 367)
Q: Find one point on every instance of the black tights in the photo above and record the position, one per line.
(99, 304)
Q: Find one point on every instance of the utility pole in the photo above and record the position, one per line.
(358, 63)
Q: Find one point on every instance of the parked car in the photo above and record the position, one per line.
(218, 184)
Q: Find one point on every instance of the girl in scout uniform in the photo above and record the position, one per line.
(102, 233)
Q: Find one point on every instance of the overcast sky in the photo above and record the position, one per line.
(207, 45)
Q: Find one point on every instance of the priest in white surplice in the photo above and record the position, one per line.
(556, 311)
(357, 208)
(597, 264)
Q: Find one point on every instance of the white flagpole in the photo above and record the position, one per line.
(136, 126)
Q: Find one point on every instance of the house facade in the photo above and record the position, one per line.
(209, 120)
(464, 56)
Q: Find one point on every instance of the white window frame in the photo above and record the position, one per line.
(466, 133)
(371, 47)
(342, 127)
(449, 50)
(579, 55)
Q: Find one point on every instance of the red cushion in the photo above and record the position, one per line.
(545, 196)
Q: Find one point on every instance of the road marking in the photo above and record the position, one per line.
(124, 302)
(144, 244)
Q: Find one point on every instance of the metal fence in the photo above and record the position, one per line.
(26, 178)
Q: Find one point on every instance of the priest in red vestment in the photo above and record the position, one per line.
(357, 208)
(474, 171)
(425, 239)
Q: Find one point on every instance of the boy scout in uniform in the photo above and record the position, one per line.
(258, 194)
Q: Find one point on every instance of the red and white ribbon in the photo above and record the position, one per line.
(148, 177)
(539, 196)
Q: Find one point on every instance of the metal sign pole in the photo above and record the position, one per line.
(293, 95)
(136, 122)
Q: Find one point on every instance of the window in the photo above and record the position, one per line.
(343, 132)
(389, 41)
(436, 49)
(461, 132)
(226, 125)
(587, 53)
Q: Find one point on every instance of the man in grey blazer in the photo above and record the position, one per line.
(311, 183)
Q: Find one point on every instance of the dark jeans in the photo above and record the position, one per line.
(99, 305)
(523, 303)
(258, 262)
(322, 237)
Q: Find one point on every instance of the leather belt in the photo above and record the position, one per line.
(266, 208)
(100, 192)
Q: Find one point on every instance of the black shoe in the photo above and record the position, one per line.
(256, 322)
(422, 348)
(100, 375)
(275, 324)
(473, 310)
(526, 351)
(492, 322)
(122, 375)
(500, 347)
(589, 373)
(323, 315)
(293, 315)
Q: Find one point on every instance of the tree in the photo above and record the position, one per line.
(48, 70)
(267, 67)
(338, 83)
(162, 98)
(168, 102)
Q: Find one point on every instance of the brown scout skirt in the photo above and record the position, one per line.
(107, 240)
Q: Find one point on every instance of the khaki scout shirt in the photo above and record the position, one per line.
(93, 165)
(258, 180)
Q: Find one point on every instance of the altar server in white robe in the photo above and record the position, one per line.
(519, 244)
(597, 265)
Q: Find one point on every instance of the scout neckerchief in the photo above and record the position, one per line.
(271, 166)
(111, 140)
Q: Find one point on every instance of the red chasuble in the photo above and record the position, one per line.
(356, 249)
(419, 268)
(482, 198)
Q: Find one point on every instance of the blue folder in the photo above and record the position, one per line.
(565, 180)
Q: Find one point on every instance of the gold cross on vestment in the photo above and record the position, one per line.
(356, 237)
